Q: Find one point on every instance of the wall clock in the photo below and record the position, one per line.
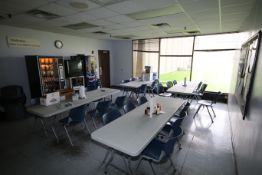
(58, 44)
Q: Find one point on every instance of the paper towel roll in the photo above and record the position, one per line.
(82, 93)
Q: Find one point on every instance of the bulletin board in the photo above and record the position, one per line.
(246, 72)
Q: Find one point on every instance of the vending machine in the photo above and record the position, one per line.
(45, 74)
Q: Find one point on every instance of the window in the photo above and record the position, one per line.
(142, 59)
(212, 59)
(174, 68)
(175, 58)
(145, 53)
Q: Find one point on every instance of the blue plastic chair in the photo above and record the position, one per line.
(119, 102)
(129, 106)
(141, 100)
(169, 84)
(101, 108)
(142, 90)
(76, 116)
(158, 151)
(110, 116)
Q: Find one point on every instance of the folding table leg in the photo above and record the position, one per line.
(44, 127)
(109, 161)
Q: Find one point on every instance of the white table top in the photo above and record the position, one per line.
(136, 84)
(49, 111)
(179, 88)
(132, 132)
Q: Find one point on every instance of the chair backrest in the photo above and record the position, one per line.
(141, 100)
(125, 81)
(155, 86)
(12, 94)
(202, 88)
(174, 82)
(178, 122)
(120, 101)
(129, 106)
(78, 114)
(143, 89)
(168, 147)
(198, 86)
(169, 84)
(110, 116)
(102, 107)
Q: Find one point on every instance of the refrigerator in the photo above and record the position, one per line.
(45, 74)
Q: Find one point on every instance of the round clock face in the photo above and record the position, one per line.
(58, 44)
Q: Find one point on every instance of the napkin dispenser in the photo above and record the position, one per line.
(82, 92)
(50, 99)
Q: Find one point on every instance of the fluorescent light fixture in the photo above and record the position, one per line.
(100, 32)
(79, 5)
(42, 14)
(81, 25)
(170, 10)
(106, 2)
(124, 36)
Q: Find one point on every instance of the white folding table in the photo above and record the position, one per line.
(45, 112)
(132, 132)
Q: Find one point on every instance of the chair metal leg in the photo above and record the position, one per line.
(150, 163)
(197, 111)
(213, 111)
(86, 126)
(54, 132)
(68, 136)
(94, 123)
(172, 164)
(209, 114)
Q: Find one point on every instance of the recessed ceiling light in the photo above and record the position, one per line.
(79, 5)
(42, 14)
(170, 10)
(81, 25)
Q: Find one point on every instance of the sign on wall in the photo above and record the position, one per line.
(22, 42)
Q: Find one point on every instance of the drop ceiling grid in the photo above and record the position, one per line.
(57, 9)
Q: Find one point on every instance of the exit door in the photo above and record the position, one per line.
(104, 67)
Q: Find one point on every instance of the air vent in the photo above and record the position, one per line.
(193, 32)
(161, 25)
(124, 36)
(81, 25)
(42, 14)
(170, 10)
(100, 32)
(106, 2)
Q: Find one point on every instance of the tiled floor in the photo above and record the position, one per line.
(25, 150)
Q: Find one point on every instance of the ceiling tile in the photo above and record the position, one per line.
(66, 3)
(102, 22)
(102, 13)
(82, 16)
(57, 9)
(120, 19)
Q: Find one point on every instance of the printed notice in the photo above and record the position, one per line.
(22, 42)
